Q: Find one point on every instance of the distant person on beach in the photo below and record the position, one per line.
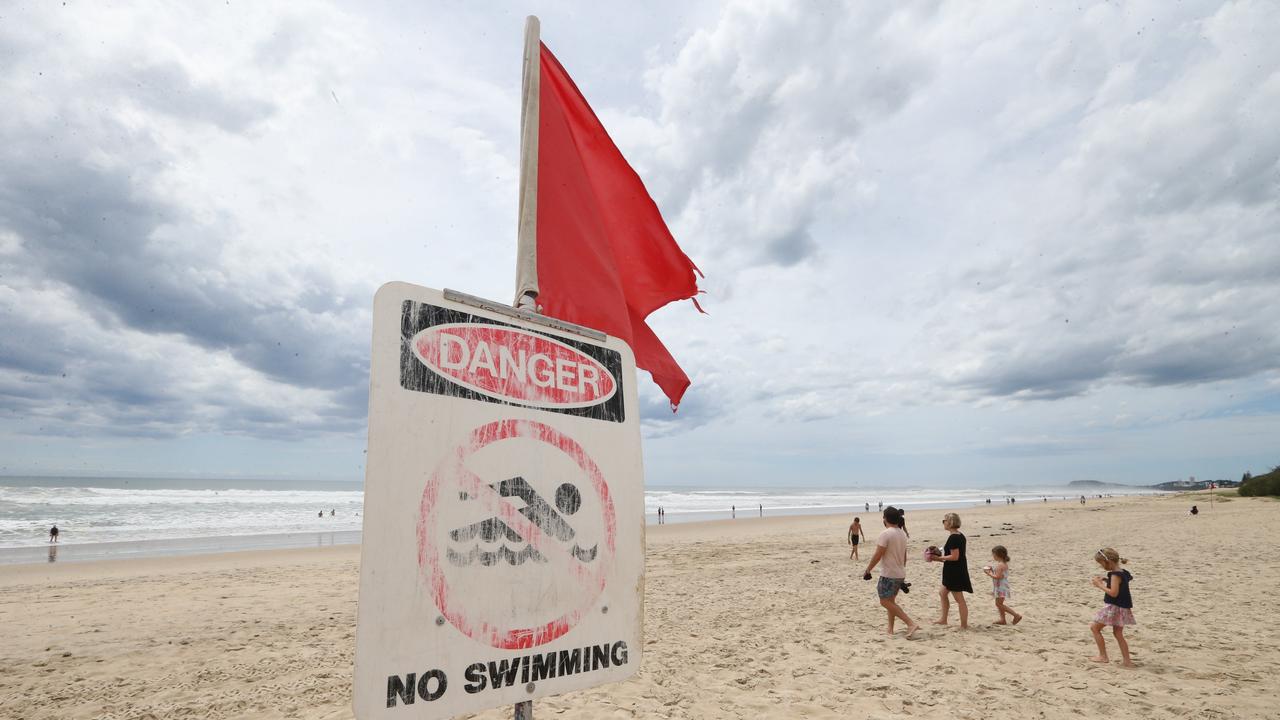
(1117, 607)
(855, 536)
(1195, 510)
(333, 513)
(1081, 499)
(320, 514)
(998, 571)
(53, 534)
(891, 556)
(955, 571)
(762, 511)
(733, 511)
(880, 505)
(866, 507)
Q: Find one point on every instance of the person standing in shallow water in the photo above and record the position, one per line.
(955, 572)
(53, 534)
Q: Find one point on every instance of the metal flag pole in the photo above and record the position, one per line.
(527, 224)
(527, 227)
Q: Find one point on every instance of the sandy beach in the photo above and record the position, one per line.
(749, 618)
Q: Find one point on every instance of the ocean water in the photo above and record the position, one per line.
(191, 515)
(104, 510)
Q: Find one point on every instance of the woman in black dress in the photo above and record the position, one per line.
(955, 572)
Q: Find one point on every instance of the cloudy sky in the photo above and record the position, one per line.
(944, 242)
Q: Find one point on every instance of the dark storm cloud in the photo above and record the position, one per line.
(25, 347)
(1044, 373)
(155, 268)
(1210, 357)
(700, 405)
(167, 88)
(1155, 327)
(352, 402)
(791, 248)
(88, 230)
(103, 386)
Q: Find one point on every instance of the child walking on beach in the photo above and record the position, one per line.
(855, 536)
(998, 571)
(1117, 608)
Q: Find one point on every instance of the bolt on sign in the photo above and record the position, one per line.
(503, 546)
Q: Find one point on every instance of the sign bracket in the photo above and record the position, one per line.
(526, 315)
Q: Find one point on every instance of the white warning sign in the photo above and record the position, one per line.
(503, 546)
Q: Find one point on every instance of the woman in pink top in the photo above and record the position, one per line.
(891, 556)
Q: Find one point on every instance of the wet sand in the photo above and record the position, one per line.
(121, 550)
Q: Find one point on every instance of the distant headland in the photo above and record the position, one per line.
(1171, 485)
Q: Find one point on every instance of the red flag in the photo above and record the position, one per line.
(605, 258)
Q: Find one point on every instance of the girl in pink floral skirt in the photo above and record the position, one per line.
(1117, 608)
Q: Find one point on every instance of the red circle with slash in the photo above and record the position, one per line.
(452, 471)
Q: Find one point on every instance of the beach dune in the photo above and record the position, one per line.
(748, 618)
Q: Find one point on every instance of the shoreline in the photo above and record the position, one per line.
(657, 537)
(73, 552)
(171, 547)
(255, 549)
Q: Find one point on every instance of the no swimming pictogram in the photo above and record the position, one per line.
(525, 569)
(537, 510)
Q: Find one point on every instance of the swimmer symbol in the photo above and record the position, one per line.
(536, 510)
